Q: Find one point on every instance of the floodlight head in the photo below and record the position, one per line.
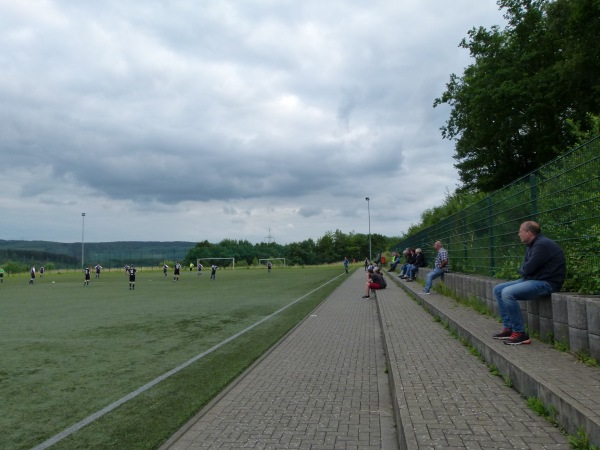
(367, 198)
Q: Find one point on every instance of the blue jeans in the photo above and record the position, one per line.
(435, 273)
(403, 268)
(508, 295)
(410, 271)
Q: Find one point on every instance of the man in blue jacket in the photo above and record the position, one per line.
(542, 273)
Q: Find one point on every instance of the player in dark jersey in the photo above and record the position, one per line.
(86, 281)
(177, 271)
(132, 270)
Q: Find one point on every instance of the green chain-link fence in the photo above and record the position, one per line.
(563, 196)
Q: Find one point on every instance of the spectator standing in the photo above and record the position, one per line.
(542, 273)
(1, 275)
(346, 264)
(441, 266)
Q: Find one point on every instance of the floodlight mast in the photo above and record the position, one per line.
(369, 213)
(82, 234)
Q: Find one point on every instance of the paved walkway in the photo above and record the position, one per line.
(323, 387)
(327, 385)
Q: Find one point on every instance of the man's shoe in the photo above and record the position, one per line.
(425, 293)
(518, 339)
(366, 296)
(503, 335)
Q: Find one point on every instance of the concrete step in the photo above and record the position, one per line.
(569, 388)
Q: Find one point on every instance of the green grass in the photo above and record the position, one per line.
(69, 350)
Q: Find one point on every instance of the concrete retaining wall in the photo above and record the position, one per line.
(571, 319)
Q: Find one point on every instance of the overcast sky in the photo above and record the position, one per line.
(184, 120)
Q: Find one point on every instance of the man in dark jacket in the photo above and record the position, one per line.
(542, 272)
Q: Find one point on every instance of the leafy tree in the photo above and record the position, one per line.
(511, 107)
(302, 253)
(326, 248)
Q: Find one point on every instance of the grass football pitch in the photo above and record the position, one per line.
(68, 350)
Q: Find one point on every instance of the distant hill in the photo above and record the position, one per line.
(109, 254)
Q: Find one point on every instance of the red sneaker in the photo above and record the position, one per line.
(503, 335)
(518, 339)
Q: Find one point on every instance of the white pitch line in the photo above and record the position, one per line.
(91, 418)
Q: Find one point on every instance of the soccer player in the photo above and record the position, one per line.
(1, 275)
(213, 272)
(32, 274)
(86, 281)
(269, 266)
(200, 266)
(165, 267)
(98, 269)
(177, 271)
(132, 271)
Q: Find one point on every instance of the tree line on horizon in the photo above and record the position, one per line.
(333, 246)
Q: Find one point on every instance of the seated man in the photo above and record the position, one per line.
(441, 266)
(542, 272)
(374, 281)
(395, 262)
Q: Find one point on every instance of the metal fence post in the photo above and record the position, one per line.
(533, 196)
(490, 210)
